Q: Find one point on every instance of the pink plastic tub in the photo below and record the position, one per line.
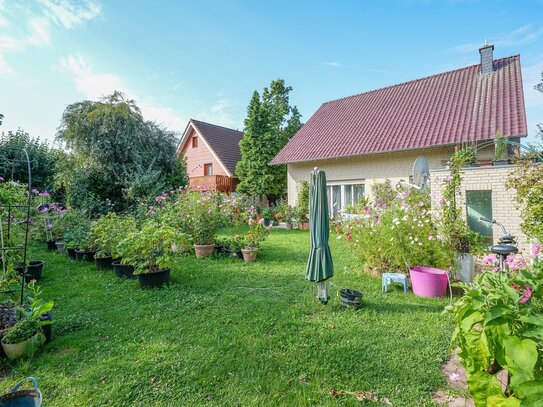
(428, 281)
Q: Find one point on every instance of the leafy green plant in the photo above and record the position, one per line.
(24, 329)
(255, 236)
(204, 219)
(151, 248)
(453, 228)
(527, 180)
(76, 225)
(499, 325)
(108, 231)
(302, 208)
(267, 213)
(500, 147)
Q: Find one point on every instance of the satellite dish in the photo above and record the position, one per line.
(421, 174)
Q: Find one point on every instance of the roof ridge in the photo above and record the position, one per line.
(215, 125)
(416, 80)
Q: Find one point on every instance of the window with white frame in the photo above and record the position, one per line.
(343, 194)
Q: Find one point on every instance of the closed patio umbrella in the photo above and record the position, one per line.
(319, 265)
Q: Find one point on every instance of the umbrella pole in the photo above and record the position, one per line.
(322, 291)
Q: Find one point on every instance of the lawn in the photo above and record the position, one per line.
(234, 334)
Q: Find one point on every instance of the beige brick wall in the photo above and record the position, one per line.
(503, 200)
(367, 169)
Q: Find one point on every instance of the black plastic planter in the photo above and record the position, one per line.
(123, 270)
(235, 254)
(154, 279)
(52, 244)
(85, 255)
(103, 263)
(47, 328)
(71, 253)
(33, 271)
(350, 298)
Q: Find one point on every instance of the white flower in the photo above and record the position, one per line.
(391, 239)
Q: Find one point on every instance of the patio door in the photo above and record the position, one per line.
(334, 199)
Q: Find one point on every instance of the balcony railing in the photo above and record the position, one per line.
(221, 183)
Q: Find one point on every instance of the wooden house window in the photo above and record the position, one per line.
(194, 142)
(208, 169)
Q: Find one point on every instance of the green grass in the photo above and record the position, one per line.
(227, 333)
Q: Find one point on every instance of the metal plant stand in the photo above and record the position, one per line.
(10, 216)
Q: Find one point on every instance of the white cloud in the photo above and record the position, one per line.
(40, 31)
(333, 64)
(5, 69)
(70, 14)
(525, 34)
(94, 85)
(9, 43)
(220, 113)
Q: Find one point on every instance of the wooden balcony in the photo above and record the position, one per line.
(221, 183)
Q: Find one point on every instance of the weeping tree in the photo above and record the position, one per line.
(269, 125)
(116, 158)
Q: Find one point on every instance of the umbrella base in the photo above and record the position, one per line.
(322, 291)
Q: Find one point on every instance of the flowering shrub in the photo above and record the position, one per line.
(108, 231)
(204, 217)
(396, 235)
(499, 325)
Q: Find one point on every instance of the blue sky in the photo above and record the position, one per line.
(203, 59)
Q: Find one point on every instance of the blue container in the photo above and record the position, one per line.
(22, 398)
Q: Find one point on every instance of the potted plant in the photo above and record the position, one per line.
(204, 222)
(121, 227)
(234, 246)
(500, 150)
(34, 269)
(26, 336)
(252, 240)
(105, 235)
(149, 251)
(267, 216)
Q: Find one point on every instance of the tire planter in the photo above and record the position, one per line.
(22, 398)
(33, 271)
(268, 222)
(236, 254)
(103, 263)
(60, 246)
(249, 255)
(350, 298)
(123, 270)
(428, 281)
(71, 253)
(154, 279)
(52, 244)
(85, 255)
(203, 250)
(25, 348)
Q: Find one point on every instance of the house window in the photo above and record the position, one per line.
(208, 169)
(194, 142)
(341, 196)
(479, 203)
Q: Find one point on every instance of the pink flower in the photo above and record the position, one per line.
(454, 377)
(442, 201)
(515, 262)
(526, 294)
(420, 203)
(536, 249)
(490, 259)
(431, 237)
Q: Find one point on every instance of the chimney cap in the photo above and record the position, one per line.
(486, 46)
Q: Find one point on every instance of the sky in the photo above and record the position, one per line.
(203, 59)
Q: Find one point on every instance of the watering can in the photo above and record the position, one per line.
(22, 398)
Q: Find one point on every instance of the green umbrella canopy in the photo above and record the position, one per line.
(319, 266)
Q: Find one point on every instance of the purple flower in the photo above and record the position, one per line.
(526, 294)
(1, 179)
(490, 259)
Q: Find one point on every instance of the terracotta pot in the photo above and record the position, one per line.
(203, 250)
(303, 226)
(249, 255)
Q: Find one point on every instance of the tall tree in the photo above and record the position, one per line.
(118, 158)
(269, 125)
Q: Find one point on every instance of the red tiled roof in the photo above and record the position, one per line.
(223, 141)
(448, 108)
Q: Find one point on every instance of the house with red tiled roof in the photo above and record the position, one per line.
(377, 135)
(211, 153)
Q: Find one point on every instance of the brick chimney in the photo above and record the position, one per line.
(487, 59)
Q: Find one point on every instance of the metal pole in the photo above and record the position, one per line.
(25, 252)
